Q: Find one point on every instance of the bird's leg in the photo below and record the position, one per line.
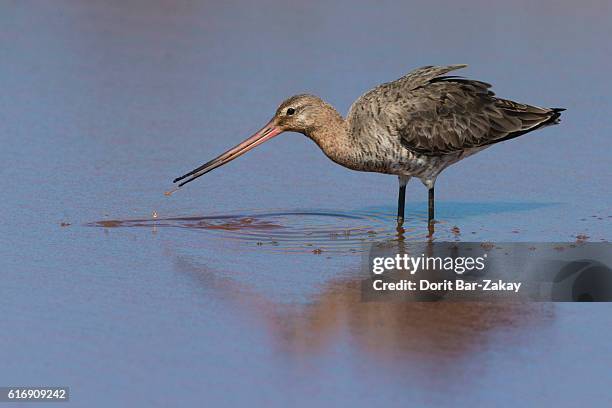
(401, 204)
(401, 200)
(430, 207)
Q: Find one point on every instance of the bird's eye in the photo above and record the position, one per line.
(290, 111)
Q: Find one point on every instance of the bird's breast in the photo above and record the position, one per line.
(373, 148)
(393, 158)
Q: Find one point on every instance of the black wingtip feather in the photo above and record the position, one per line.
(555, 118)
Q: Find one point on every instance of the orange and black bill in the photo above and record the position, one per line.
(266, 133)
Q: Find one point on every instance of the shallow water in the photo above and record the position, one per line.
(243, 289)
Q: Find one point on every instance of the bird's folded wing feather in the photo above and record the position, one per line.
(436, 115)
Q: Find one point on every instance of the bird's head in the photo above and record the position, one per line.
(300, 113)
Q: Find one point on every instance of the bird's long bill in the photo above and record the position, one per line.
(266, 133)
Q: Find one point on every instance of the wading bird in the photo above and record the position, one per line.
(415, 126)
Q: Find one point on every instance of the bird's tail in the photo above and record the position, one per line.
(531, 117)
(556, 117)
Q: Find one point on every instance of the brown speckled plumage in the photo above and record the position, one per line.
(415, 126)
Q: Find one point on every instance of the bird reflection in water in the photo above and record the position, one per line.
(430, 332)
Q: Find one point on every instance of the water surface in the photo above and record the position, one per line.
(244, 287)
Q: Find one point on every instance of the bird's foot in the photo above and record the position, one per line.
(431, 227)
(400, 231)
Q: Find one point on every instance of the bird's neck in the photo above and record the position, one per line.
(334, 138)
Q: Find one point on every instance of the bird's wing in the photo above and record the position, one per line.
(434, 115)
(421, 76)
(412, 80)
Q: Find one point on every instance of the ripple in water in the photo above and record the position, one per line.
(293, 231)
